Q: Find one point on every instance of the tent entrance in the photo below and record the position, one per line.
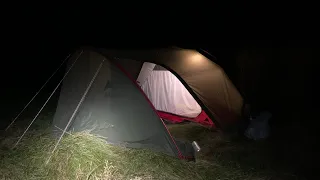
(169, 96)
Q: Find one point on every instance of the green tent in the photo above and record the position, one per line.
(100, 95)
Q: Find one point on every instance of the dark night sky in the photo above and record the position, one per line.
(29, 56)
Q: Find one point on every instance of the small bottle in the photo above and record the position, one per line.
(195, 146)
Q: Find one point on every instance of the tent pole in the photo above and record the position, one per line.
(13, 121)
(76, 110)
(46, 101)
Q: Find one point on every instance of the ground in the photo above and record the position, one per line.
(85, 156)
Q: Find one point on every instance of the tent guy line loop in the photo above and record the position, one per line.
(13, 121)
(76, 110)
(62, 130)
(47, 101)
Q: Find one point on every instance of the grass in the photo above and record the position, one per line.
(85, 156)
(229, 150)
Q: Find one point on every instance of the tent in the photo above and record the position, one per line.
(124, 96)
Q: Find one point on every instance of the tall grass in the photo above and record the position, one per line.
(85, 156)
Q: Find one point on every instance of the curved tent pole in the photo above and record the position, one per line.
(76, 110)
(13, 121)
(47, 101)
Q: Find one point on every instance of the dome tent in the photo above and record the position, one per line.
(128, 93)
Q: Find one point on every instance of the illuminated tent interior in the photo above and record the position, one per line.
(167, 94)
(123, 96)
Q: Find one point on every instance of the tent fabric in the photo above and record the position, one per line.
(168, 94)
(110, 108)
(133, 66)
(202, 118)
(205, 80)
(159, 68)
(145, 72)
(185, 150)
